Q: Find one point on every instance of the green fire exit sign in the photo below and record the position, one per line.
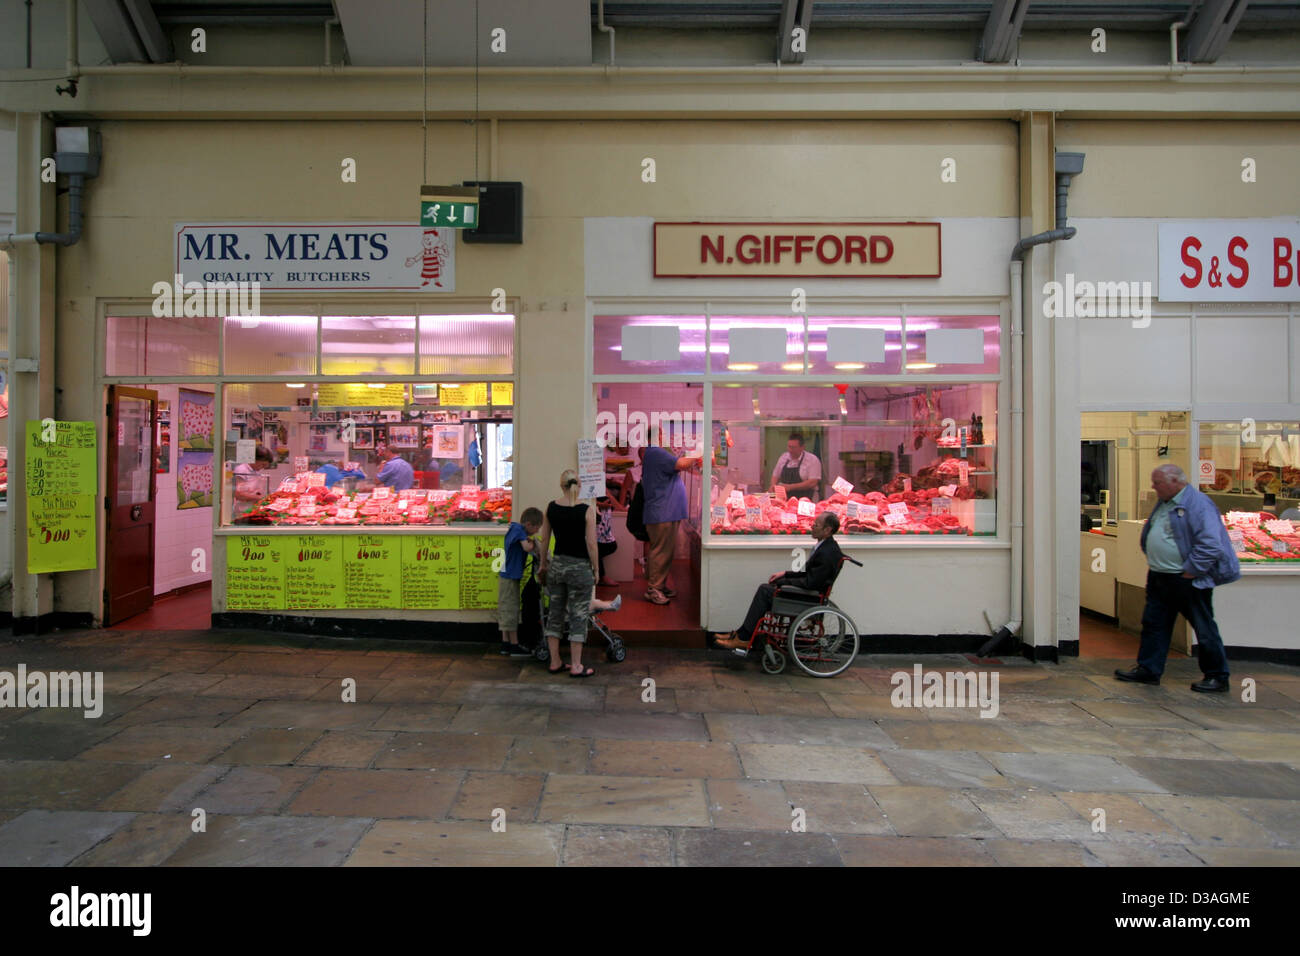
(451, 207)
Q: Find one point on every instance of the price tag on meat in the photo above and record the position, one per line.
(300, 464)
(736, 498)
(765, 501)
(315, 480)
(893, 519)
(963, 473)
(788, 519)
(851, 509)
(940, 506)
(898, 508)
(842, 486)
(907, 484)
(1238, 541)
(870, 512)
(752, 514)
(383, 492)
(719, 513)
(807, 508)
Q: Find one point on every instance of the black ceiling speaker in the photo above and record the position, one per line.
(500, 213)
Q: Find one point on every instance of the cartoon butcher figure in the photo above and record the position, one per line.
(434, 255)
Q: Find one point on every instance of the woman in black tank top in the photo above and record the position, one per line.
(570, 574)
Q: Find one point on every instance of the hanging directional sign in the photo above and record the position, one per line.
(450, 207)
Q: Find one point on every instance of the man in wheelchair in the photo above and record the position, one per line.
(818, 575)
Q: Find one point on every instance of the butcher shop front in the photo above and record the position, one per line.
(887, 410)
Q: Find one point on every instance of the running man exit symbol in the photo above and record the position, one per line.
(452, 207)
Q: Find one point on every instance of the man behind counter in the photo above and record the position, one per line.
(396, 472)
(797, 471)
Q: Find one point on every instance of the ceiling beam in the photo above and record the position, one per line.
(1002, 31)
(794, 13)
(157, 44)
(1212, 28)
(130, 31)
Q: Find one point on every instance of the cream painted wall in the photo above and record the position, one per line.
(1182, 170)
(551, 411)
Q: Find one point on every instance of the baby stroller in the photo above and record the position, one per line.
(533, 618)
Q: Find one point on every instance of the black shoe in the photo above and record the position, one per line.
(518, 650)
(1138, 675)
(1211, 685)
(505, 649)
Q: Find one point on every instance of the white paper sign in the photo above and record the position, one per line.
(898, 507)
(788, 519)
(300, 464)
(963, 473)
(807, 508)
(591, 468)
(851, 509)
(940, 506)
(842, 486)
(307, 509)
(752, 514)
(871, 512)
(719, 513)
(736, 498)
(315, 479)
(894, 518)
(383, 492)
(1205, 471)
(347, 514)
(907, 484)
(245, 451)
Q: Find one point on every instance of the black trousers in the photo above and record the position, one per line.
(1169, 595)
(760, 605)
(604, 548)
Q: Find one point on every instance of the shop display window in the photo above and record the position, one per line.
(953, 344)
(368, 345)
(887, 459)
(857, 346)
(270, 345)
(648, 344)
(149, 345)
(365, 453)
(1251, 471)
(756, 345)
(467, 344)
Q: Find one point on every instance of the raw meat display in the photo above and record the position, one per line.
(868, 513)
(294, 503)
(1266, 537)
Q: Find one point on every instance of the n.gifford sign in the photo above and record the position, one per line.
(832, 250)
(319, 256)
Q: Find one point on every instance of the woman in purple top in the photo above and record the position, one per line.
(665, 509)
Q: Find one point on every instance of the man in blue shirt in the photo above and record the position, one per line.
(1188, 552)
(396, 472)
(333, 473)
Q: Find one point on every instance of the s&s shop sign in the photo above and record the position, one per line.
(1224, 260)
(832, 250)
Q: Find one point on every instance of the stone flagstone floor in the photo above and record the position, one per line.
(250, 727)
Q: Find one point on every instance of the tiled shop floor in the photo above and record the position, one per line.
(332, 752)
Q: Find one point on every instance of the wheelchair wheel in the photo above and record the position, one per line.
(542, 652)
(773, 660)
(823, 641)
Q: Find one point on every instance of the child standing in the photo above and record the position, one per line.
(519, 539)
(605, 543)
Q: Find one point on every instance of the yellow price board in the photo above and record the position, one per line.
(431, 572)
(346, 395)
(254, 573)
(474, 394)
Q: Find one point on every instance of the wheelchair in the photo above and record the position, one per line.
(807, 627)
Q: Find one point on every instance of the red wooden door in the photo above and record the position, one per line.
(129, 500)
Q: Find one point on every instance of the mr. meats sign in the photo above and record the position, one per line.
(1224, 260)
(841, 250)
(313, 255)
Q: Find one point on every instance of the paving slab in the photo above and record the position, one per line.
(696, 700)
(55, 837)
(178, 683)
(424, 794)
(617, 846)
(148, 840)
(345, 748)
(624, 726)
(499, 719)
(301, 664)
(246, 790)
(549, 755)
(457, 843)
(1125, 821)
(912, 851)
(748, 848)
(62, 785)
(167, 788)
(483, 794)
(1032, 815)
(833, 731)
(835, 807)
(411, 691)
(334, 715)
(809, 762)
(1208, 821)
(1055, 713)
(932, 735)
(444, 752)
(950, 769)
(670, 758)
(1274, 746)
(184, 711)
(1041, 853)
(872, 707)
(271, 841)
(1072, 772)
(267, 687)
(1229, 778)
(1246, 856)
(269, 746)
(423, 718)
(414, 668)
(153, 743)
(1280, 817)
(634, 801)
(792, 703)
(932, 812)
(1117, 854)
(571, 695)
(1237, 716)
(628, 697)
(25, 740)
(1124, 714)
(749, 805)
